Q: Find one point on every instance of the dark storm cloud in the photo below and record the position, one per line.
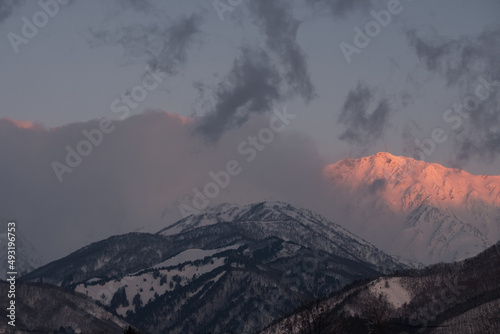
(280, 29)
(462, 59)
(251, 87)
(7, 7)
(362, 126)
(163, 45)
(470, 63)
(259, 77)
(340, 8)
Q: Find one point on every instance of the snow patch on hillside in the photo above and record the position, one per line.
(191, 255)
(392, 290)
(147, 285)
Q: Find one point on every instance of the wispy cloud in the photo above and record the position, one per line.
(461, 59)
(7, 7)
(137, 5)
(261, 76)
(462, 62)
(280, 28)
(363, 125)
(340, 8)
(251, 87)
(164, 46)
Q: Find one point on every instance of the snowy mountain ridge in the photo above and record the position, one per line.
(290, 223)
(212, 271)
(445, 298)
(419, 210)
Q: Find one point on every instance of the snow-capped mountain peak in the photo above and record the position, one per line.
(212, 269)
(290, 223)
(417, 209)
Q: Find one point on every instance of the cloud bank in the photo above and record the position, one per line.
(139, 174)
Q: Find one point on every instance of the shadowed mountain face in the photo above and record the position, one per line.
(461, 297)
(230, 268)
(42, 308)
(414, 209)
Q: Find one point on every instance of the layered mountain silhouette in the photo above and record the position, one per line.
(231, 268)
(461, 297)
(239, 268)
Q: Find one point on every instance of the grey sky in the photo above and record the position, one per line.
(226, 77)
